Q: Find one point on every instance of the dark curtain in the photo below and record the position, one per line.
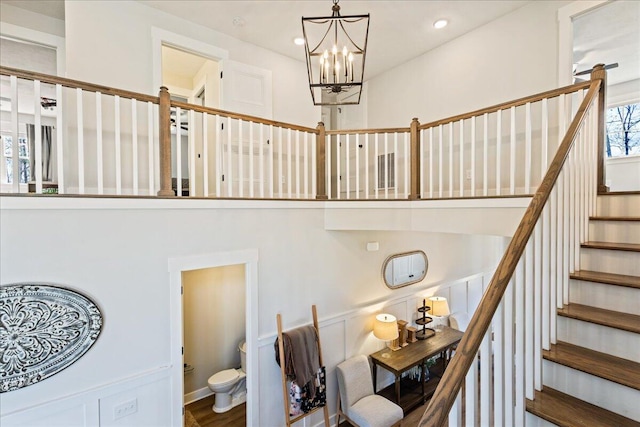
(46, 152)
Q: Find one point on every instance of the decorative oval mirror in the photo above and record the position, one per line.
(405, 269)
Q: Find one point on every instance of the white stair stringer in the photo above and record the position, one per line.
(610, 297)
(618, 205)
(604, 339)
(606, 394)
(610, 261)
(531, 420)
(614, 231)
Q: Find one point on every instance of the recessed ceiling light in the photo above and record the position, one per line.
(299, 41)
(440, 23)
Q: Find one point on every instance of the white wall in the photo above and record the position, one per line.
(511, 57)
(110, 43)
(117, 253)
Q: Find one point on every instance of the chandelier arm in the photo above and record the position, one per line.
(321, 41)
(350, 39)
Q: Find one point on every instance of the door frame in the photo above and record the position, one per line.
(247, 257)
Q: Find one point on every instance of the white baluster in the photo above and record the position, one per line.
(339, 166)
(297, 160)
(529, 317)
(485, 157)
(99, 152)
(134, 144)
(38, 134)
(386, 166)
(527, 160)
(377, 162)
(498, 152)
(80, 130)
(407, 169)
(261, 160)
(509, 362)
(118, 145)
(346, 160)
(150, 146)
(240, 159)
(15, 147)
(537, 307)
(473, 156)
(191, 150)
(59, 138)
(229, 174)
(461, 174)
(219, 156)
(431, 163)
(178, 152)
(440, 162)
(251, 156)
(498, 365)
(289, 172)
(205, 154)
(519, 310)
(357, 149)
(366, 165)
(512, 153)
(450, 159)
(306, 165)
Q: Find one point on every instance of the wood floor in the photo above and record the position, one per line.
(204, 415)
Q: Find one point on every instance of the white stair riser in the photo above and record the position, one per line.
(531, 420)
(600, 338)
(610, 261)
(602, 295)
(595, 390)
(623, 205)
(614, 231)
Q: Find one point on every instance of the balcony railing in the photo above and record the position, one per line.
(106, 141)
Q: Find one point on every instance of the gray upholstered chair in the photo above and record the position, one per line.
(356, 400)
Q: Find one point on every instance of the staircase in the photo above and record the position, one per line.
(591, 376)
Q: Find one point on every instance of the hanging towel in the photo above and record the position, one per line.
(301, 355)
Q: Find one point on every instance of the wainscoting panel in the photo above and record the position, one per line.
(139, 400)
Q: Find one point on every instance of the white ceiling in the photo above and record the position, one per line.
(609, 34)
(399, 30)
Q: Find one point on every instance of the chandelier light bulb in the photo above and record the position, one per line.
(299, 41)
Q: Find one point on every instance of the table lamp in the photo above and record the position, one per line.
(385, 328)
(439, 308)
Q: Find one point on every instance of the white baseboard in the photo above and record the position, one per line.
(197, 395)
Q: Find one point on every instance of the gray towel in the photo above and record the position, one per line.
(300, 354)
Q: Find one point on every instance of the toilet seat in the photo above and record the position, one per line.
(222, 378)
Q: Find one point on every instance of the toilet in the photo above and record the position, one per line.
(230, 385)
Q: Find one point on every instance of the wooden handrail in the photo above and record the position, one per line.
(438, 410)
(77, 84)
(515, 103)
(245, 117)
(365, 131)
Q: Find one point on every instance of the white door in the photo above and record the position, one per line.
(245, 89)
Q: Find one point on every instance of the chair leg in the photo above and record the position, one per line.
(338, 412)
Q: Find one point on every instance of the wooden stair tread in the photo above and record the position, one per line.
(612, 368)
(567, 411)
(608, 278)
(600, 316)
(614, 218)
(619, 193)
(633, 247)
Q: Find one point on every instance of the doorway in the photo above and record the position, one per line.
(237, 264)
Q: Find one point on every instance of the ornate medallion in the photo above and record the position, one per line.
(43, 330)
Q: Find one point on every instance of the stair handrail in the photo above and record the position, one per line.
(449, 386)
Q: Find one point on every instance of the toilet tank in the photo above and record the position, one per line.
(243, 356)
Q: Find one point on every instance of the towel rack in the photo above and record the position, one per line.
(285, 394)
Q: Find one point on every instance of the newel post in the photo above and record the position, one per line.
(415, 190)
(599, 73)
(321, 163)
(165, 143)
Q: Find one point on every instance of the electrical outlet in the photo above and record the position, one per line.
(124, 409)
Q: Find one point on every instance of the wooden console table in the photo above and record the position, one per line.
(414, 354)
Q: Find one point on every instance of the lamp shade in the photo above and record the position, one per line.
(439, 306)
(385, 327)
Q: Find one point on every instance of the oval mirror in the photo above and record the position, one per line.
(405, 269)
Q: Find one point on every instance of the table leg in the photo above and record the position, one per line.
(423, 367)
(375, 378)
(398, 389)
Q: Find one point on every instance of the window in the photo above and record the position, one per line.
(23, 157)
(623, 130)
(386, 170)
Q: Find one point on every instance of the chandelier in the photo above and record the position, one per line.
(335, 49)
